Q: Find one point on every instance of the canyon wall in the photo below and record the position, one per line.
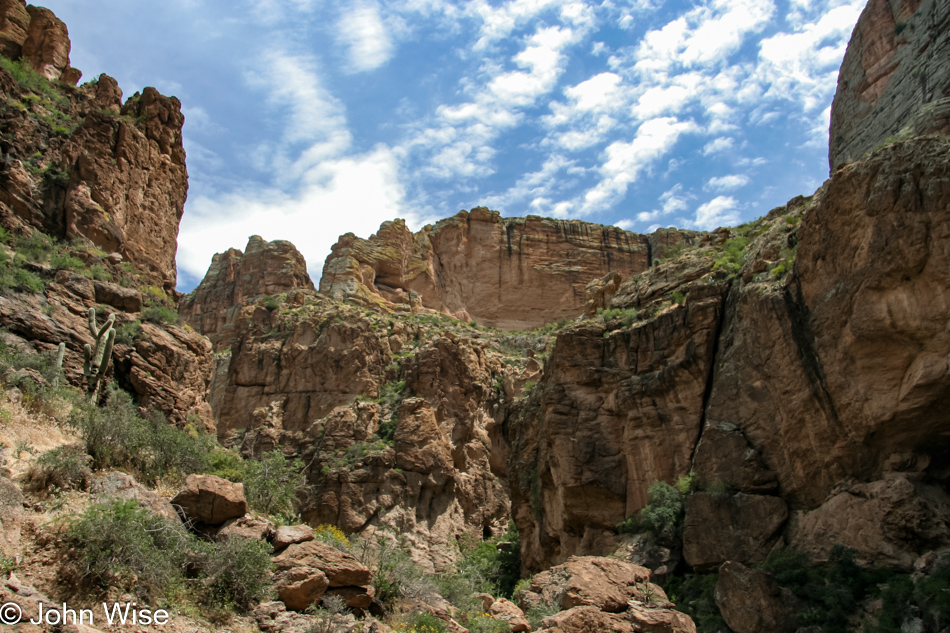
(510, 273)
(895, 78)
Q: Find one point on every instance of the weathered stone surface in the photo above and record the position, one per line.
(504, 610)
(724, 457)
(621, 408)
(584, 620)
(510, 273)
(246, 526)
(605, 583)
(287, 535)
(119, 485)
(660, 620)
(125, 299)
(14, 24)
(300, 586)
(751, 601)
(354, 597)
(210, 499)
(419, 443)
(341, 569)
(11, 516)
(263, 269)
(888, 523)
(47, 44)
(738, 527)
(894, 79)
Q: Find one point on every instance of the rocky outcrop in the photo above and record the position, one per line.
(210, 500)
(895, 78)
(47, 46)
(506, 272)
(263, 269)
(751, 601)
(621, 406)
(82, 165)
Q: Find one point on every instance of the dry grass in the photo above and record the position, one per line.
(31, 429)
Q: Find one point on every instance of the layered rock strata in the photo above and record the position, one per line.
(895, 78)
(509, 273)
(263, 269)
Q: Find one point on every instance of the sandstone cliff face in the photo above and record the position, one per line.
(81, 164)
(895, 78)
(107, 182)
(508, 273)
(263, 269)
(784, 385)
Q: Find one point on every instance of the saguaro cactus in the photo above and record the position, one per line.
(96, 360)
(60, 352)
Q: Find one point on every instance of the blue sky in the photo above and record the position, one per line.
(306, 119)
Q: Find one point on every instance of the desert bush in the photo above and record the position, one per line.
(695, 596)
(395, 574)
(65, 261)
(272, 483)
(128, 333)
(421, 622)
(535, 614)
(662, 516)
(159, 314)
(64, 467)
(225, 464)
(116, 436)
(120, 544)
(236, 573)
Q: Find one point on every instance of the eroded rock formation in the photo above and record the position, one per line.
(263, 269)
(895, 78)
(509, 273)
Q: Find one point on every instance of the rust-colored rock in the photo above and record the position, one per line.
(751, 601)
(888, 523)
(353, 597)
(263, 269)
(14, 25)
(504, 610)
(288, 535)
(341, 569)
(246, 526)
(301, 586)
(895, 77)
(211, 500)
(419, 443)
(621, 408)
(605, 583)
(509, 273)
(741, 527)
(584, 620)
(47, 45)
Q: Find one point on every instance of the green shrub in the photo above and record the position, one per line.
(159, 314)
(422, 622)
(779, 271)
(120, 544)
(333, 536)
(97, 272)
(116, 436)
(695, 596)
(387, 430)
(128, 333)
(64, 467)
(395, 575)
(535, 614)
(678, 298)
(236, 573)
(663, 513)
(732, 254)
(272, 483)
(64, 261)
(225, 464)
(35, 247)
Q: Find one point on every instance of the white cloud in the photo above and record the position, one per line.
(625, 161)
(625, 224)
(727, 183)
(673, 201)
(362, 31)
(354, 193)
(720, 211)
(720, 144)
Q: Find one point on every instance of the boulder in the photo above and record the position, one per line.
(288, 535)
(751, 601)
(605, 583)
(210, 500)
(504, 610)
(586, 619)
(341, 569)
(354, 597)
(246, 527)
(661, 620)
(300, 586)
(738, 527)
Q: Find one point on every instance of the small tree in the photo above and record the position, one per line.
(271, 484)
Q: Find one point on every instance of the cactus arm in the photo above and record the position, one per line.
(92, 322)
(60, 352)
(107, 352)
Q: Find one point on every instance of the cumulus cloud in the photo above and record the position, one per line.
(362, 31)
(717, 145)
(720, 211)
(727, 183)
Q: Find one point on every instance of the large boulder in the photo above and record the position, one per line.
(341, 569)
(288, 535)
(210, 500)
(725, 527)
(299, 587)
(751, 601)
(606, 583)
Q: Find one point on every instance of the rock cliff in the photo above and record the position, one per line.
(509, 273)
(263, 269)
(91, 193)
(895, 78)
